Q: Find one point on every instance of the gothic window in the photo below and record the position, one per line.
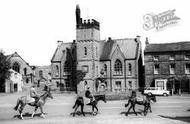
(130, 69)
(105, 67)
(85, 51)
(25, 71)
(16, 67)
(96, 51)
(118, 67)
(57, 70)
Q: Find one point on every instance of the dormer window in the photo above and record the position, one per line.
(155, 58)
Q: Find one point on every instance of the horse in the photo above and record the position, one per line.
(22, 102)
(80, 102)
(146, 102)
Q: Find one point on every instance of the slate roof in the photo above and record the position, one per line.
(168, 47)
(127, 46)
(59, 51)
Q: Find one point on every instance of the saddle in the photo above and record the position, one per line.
(29, 99)
(87, 101)
(139, 99)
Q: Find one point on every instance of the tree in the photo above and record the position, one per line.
(4, 70)
(79, 77)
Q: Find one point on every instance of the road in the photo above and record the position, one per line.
(167, 110)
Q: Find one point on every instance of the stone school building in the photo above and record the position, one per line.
(113, 65)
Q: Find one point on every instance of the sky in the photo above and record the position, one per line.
(32, 27)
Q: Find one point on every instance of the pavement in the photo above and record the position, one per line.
(167, 110)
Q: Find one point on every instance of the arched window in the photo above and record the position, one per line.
(85, 51)
(25, 71)
(105, 67)
(16, 67)
(118, 67)
(130, 69)
(57, 70)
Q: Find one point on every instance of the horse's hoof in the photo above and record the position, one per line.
(43, 116)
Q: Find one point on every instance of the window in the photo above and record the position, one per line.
(118, 67)
(97, 71)
(16, 67)
(172, 57)
(57, 83)
(96, 51)
(118, 85)
(40, 73)
(187, 68)
(155, 58)
(85, 51)
(156, 68)
(187, 57)
(130, 69)
(57, 70)
(85, 68)
(25, 71)
(172, 68)
(105, 67)
(130, 84)
(27, 80)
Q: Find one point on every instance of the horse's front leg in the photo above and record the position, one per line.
(96, 108)
(129, 110)
(34, 111)
(146, 107)
(42, 113)
(134, 109)
(21, 109)
(76, 107)
(82, 108)
(149, 106)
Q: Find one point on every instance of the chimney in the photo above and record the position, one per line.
(146, 41)
(59, 42)
(138, 37)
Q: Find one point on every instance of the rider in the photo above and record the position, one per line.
(89, 95)
(33, 93)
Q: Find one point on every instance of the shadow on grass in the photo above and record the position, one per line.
(188, 110)
(79, 113)
(25, 115)
(179, 118)
(125, 113)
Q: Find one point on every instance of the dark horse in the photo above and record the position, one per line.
(80, 102)
(146, 102)
(22, 102)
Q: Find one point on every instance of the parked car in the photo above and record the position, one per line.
(156, 91)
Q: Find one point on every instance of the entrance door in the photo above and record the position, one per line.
(15, 87)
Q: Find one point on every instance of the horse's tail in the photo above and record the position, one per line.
(17, 104)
